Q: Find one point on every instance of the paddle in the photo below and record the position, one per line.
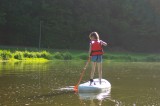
(76, 86)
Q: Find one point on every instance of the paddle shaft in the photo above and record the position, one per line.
(76, 87)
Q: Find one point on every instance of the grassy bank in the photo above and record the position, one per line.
(34, 54)
(23, 55)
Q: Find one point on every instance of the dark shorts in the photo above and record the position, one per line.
(96, 58)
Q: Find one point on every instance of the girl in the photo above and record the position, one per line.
(96, 52)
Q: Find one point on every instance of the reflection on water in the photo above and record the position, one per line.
(98, 96)
(34, 84)
(95, 96)
(97, 99)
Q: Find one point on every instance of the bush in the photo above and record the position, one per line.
(18, 55)
(27, 54)
(44, 54)
(63, 56)
(5, 55)
(83, 56)
(120, 57)
(58, 55)
(67, 56)
(0, 54)
(38, 54)
(30, 54)
(152, 58)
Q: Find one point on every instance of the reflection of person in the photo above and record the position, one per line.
(96, 52)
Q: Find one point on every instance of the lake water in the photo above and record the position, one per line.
(42, 84)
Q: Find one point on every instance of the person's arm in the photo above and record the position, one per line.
(103, 43)
(89, 50)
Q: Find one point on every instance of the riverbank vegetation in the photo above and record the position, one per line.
(11, 55)
(23, 55)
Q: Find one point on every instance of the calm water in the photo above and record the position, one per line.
(41, 84)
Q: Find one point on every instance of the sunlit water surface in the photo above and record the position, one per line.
(46, 84)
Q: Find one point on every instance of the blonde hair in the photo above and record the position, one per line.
(95, 35)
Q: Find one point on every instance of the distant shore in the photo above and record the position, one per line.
(33, 54)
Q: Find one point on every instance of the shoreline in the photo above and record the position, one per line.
(7, 55)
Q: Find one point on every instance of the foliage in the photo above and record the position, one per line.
(128, 24)
(28, 54)
(67, 56)
(5, 54)
(18, 55)
(0, 54)
(32, 55)
(21, 55)
(117, 57)
(58, 55)
(63, 56)
(44, 54)
(83, 56)
(153, 58)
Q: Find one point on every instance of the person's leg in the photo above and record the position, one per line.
(92, 72)
(99, 64)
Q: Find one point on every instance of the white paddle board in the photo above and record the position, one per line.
(95, 86)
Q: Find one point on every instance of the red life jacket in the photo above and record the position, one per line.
(96, 48)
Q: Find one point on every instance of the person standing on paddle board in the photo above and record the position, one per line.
(96, 52)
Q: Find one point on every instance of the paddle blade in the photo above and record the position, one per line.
(76, 88)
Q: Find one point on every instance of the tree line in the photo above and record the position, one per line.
(131, 25)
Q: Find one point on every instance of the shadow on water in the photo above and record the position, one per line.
(52, 94)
